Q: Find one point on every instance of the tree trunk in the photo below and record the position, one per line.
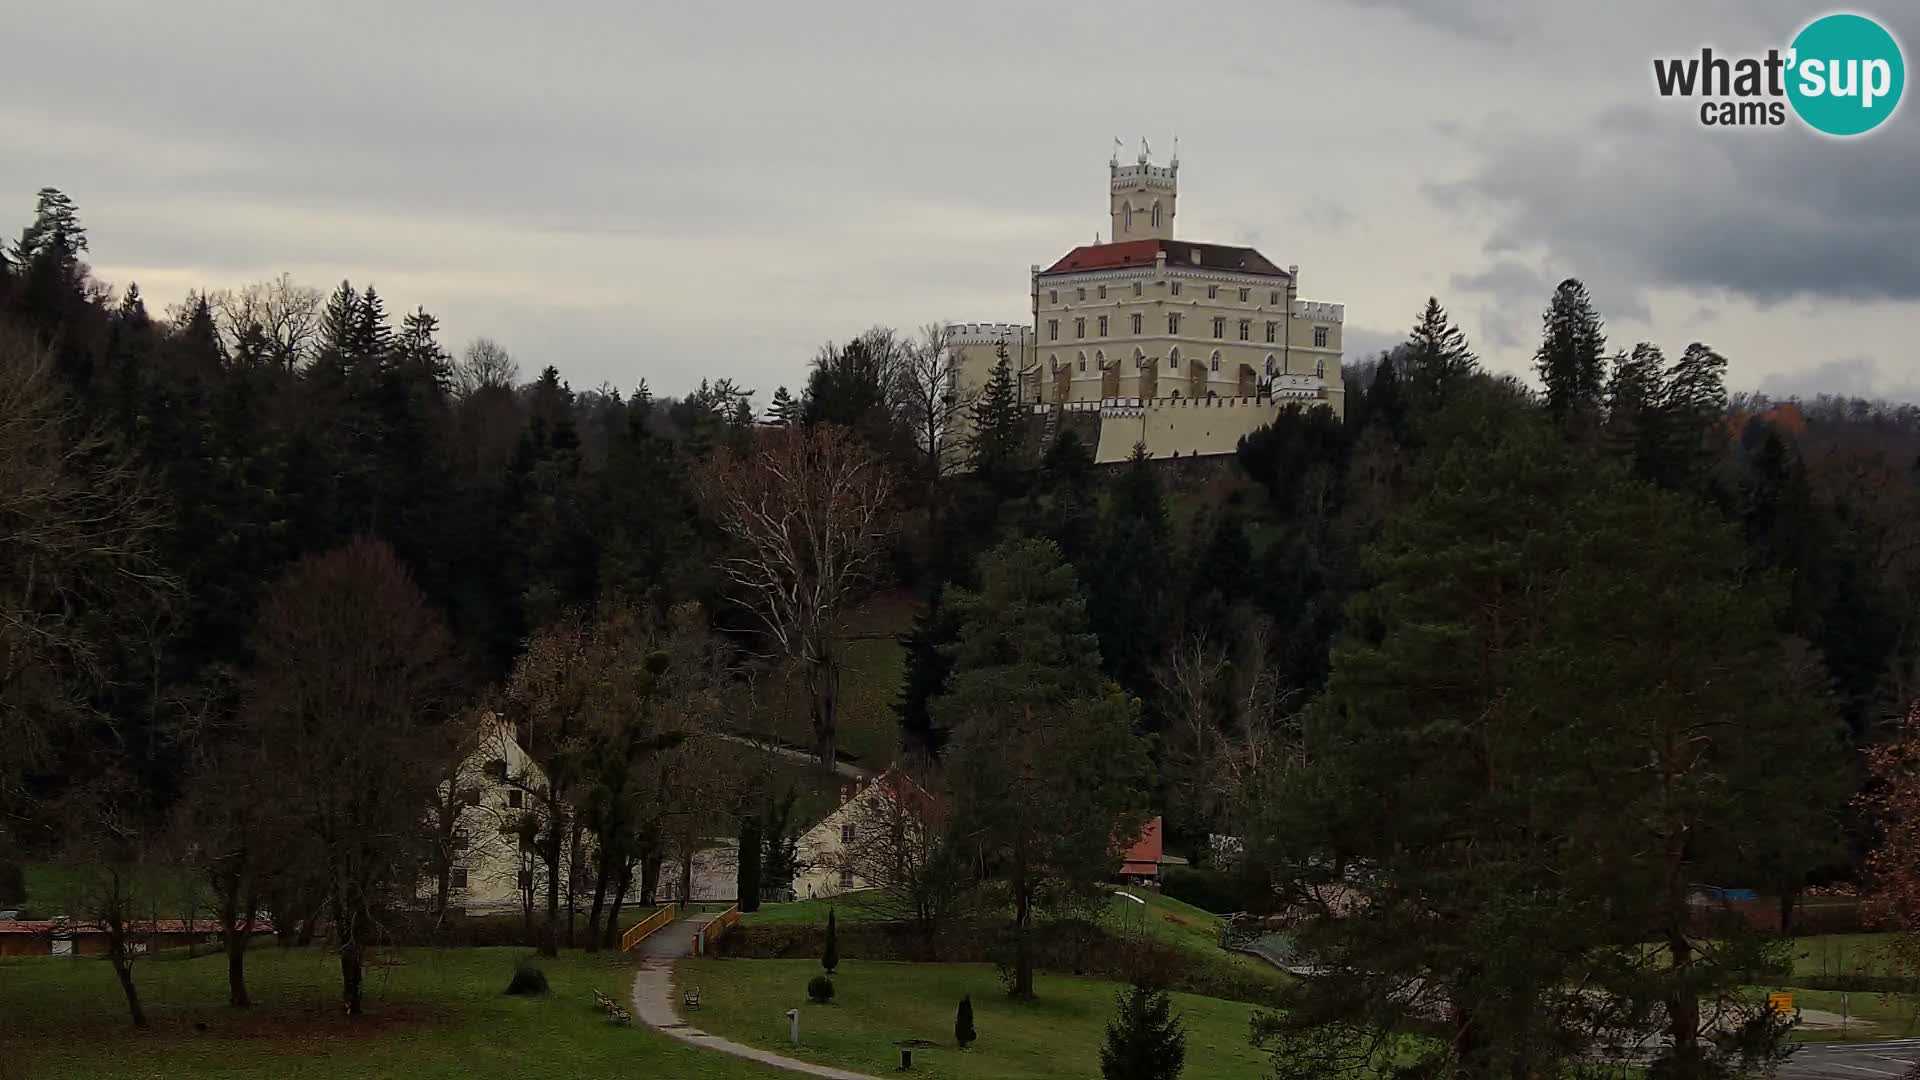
(556, 835)
(350, 974)
(1022, 924)
(123, 970)
(823, 692)
(237, 970)
(747, 865)
(599, 894)
(1683, 1005)
(573, 877)
(686, 875)
(619, 901)
(649, 879)
(1789, 903)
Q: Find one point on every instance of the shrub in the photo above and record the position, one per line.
(830, 958)
(963, 1023)
(527, 978)
(1145, 1039)
(820, 989)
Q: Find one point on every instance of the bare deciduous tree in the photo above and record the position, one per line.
(485, 364)
(937, 402)
(807, 510)
(287, 313)
(355, 694)
(895, 841)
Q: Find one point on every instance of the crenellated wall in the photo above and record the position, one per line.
(1169, 427)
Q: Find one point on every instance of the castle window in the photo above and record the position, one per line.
(1156, 215)
(1173, 360)
(457, 878)
(1273, 366)
(1080, 327)
(1053, 296)
(1319, 337)
(1243, 295)
(1053, 329)
(1173, 323)
(1080, 293)
(1083, 361)
(1213, 292)
(1219, 327)
(1136, 322)
(1136, 288)
(513, 798)
(1103, 326)
(1214, 363)
(1273, 297)
(1246, 328)
(1319, 369)
(1273, 328)
(1175, 287)
(1103, 292)
(846, 878)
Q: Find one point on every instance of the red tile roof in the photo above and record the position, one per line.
(1242, 260)
(1144, 856)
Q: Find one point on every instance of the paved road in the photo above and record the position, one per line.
(851, 772)
(1887, 1058)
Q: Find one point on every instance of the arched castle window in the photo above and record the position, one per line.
(1156, 215)
(1053, 362)
(1173, 359)
(1176, 393)
(1139, 359)
(1214, 363)
(1099, 361)
(1128, 216)
(1319, 369)
(1083, 361)
(1273, 366)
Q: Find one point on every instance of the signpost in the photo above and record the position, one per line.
(1779, 1002)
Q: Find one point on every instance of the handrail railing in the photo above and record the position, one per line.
(717, 928)
(638, 931)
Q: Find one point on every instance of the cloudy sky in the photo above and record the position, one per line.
(629, 189)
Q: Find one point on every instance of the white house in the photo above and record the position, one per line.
(828, 855)
(496, 788)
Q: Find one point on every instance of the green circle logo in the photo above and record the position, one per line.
(1846, 74)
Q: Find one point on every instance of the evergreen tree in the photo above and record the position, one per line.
(963, 1033)
(1069, 485)
(1436, 357)
(928, 663)
(999, 428)
(1571, 359)
(1386, 401)
(1634, 390)
(338, 320)
(1691, 426)
(830, 957)
(748, 886)
(1127, 576)
(1145, 1040)
(56, 233)
(784, 410)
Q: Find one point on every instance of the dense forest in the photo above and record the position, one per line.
(176, 486)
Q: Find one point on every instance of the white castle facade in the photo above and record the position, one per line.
(1181, 346)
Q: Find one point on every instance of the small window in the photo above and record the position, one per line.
(1246, 329)
(1319, 337)
(1103, 292)
(1273, 366)
(846, 878)
(1319, 369)
(1173, 360)
(1214, 363)
(846, 833)
(513, 798)
(1127, 214)
(526, 880)
(1053, 329)
(1213, 292)
(1103, 326)
(495, 769)
(460, 841)
(1175, 287)
(1156, 215)
(1080, 293)
(1273, 328)
(458, 879)
(1244, 293)
(1136, 323)
(1219, 327)
(470, 796)
(1273, 297)
(1080, 327)
(1053, 296)
(1083, 361)
(1136, 288)
(1173, 323)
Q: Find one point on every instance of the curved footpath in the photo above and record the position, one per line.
(653, 1002)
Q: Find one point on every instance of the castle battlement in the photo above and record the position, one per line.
(986, 333)
(1318, 311)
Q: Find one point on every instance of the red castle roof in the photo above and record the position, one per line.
(1243, 260)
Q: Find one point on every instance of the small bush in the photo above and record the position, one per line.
(963, 1032)
(527, 979)
(820, 989)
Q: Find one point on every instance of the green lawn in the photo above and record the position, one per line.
(1842, 954)
(877, 1004)
(431, 1014)
(167, 891)
(847, 909)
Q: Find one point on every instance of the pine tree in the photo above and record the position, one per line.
(1633, 398)
(1145, 1039)
(338, 320)
(928, 664)
(1571, 360)
(1386, 397)
(784, 410)
(372, 336)
(1691, 429)
(56, 232)
(998, 428)
(1437, 358)
(963, 1033)
(830, 957)
(1128, 574)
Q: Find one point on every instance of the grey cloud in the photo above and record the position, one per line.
(1468, 18)
(1845, 376)
(1361, 343)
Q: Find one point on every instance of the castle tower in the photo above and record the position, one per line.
(1142, 196)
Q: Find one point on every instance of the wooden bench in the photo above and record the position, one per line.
(691, 998)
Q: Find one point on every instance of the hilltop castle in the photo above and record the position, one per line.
(1178, 345)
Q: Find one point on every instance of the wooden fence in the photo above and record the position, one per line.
(711, 933)
(638, 931)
